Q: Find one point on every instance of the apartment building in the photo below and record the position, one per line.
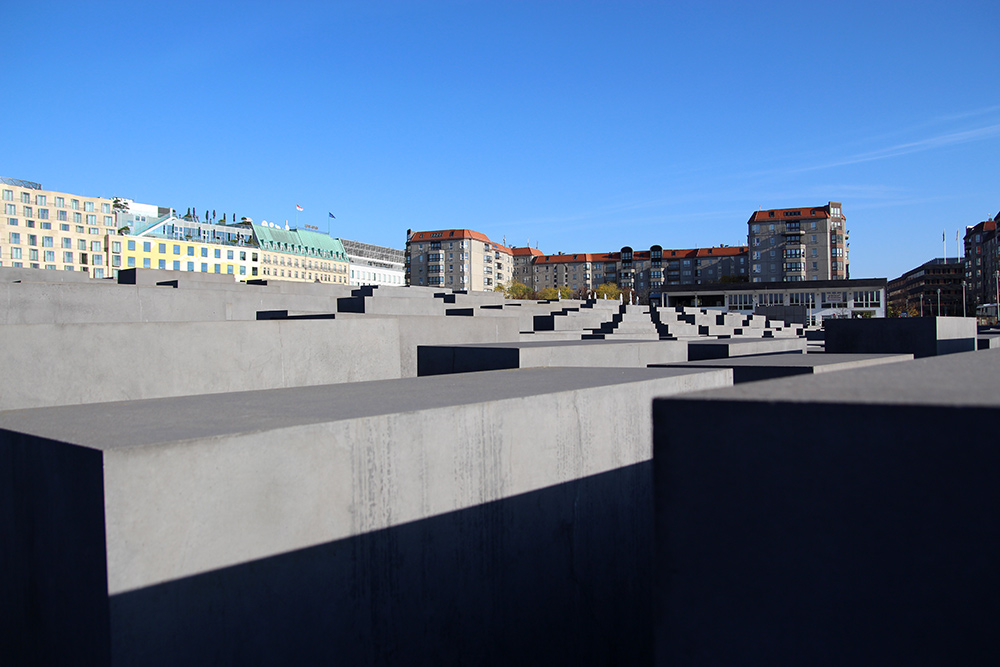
(460, 259)
(982, 260)
(794, 244)
(644, 271)
(374, 264)
(573, 271)
(45, 229)
(693, 266)
(523, 265)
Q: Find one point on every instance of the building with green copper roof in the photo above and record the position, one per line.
(300, 254)
(301, 242)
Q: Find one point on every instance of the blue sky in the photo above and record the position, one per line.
(579, 126)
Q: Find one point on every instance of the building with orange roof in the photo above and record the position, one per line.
(523, 259)
(467, 259)
(461, 259)
(794, 244)
(644, 271)
(575, 271)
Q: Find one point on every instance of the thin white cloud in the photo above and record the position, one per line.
(929, 143)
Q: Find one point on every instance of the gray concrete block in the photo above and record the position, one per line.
(90, 363)
(769, 366)
(415, 331)
(493, 518)
(737, 347)
(189, 279)
(919, 336)
(106, 301)
(988, 341)
(862, 531)
(15, 275)
(442, 359)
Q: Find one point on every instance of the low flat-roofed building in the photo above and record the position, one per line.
(374, 264)
(814, 301)
(933, 288)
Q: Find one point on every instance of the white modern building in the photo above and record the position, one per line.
(374, 264)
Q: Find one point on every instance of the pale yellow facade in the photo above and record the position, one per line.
(44, 229)
(149, 252)
(294, 267)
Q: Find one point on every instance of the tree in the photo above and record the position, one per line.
(516, 290)
(556, 293)
(119, 204)
(608, 291)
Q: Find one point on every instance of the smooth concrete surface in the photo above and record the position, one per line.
(14, 275)
(106, 301)
(46, 365)
(770, 366)
(919, 336)
(737, 347)
(442, 359)
(988, 341)
(189, 279)
(482, 518)
(861, 530)
(416, 331)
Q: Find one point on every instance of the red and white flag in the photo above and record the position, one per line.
(298, 208)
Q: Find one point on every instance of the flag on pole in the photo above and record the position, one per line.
(333, 216)
(298, 208)
(942, 233)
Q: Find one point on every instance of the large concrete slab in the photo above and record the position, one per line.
(851, 521)
(738, 347)
(441, 359)
(919, 336)
(15, 275)
(988, 341)
(105, 301)
(486, 518)
(92, 363)
(770, 366)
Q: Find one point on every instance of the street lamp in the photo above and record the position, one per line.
(963, 297)
(921, 304)
(939, 302)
